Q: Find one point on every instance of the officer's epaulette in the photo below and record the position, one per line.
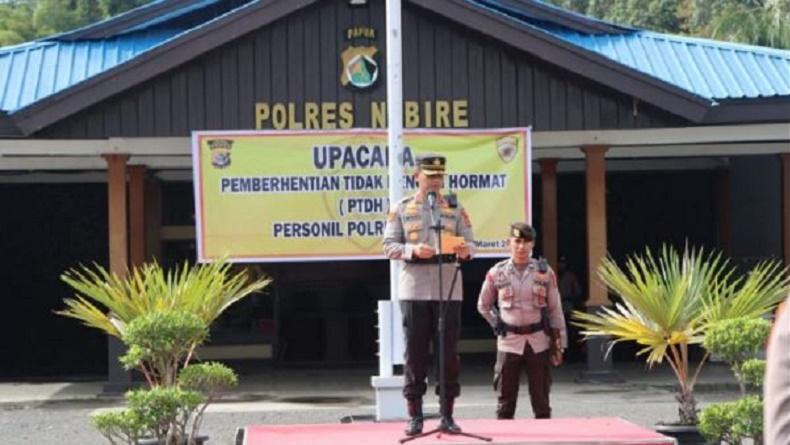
(501, 264)
(406, 199)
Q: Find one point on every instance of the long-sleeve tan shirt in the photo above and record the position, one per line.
(514, 292)
(777, 382)
(408, 224)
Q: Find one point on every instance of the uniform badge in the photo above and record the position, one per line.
(507, 148)
(220, 152)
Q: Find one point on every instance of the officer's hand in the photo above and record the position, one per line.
(499, 329)
(556, 357)
(462, 251)
(424, 251)
(556, 354)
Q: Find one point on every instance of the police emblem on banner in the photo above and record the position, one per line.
(360, 68)
(507, 148)
(220, 152)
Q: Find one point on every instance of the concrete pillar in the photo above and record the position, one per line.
(118, 380)
(599, 365)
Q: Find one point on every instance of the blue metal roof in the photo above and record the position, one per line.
(33, 71)
(36, 70)
(710, 69)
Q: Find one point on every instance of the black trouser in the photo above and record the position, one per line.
(420, 323)
(507, 376)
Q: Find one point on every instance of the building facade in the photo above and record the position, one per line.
(639, 139)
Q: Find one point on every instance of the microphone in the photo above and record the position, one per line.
(432, 199)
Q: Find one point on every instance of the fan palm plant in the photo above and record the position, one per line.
(669, 300)
(108, 302)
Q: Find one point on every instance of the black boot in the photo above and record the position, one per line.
(414, 426)
(447, 424)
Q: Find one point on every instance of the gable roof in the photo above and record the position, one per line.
(712, 69)
(665, 70)
(37, 70)
(702, 80)
(34, 71)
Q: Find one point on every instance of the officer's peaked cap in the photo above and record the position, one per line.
(431, 164)
(523, 230)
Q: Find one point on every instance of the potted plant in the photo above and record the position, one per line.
(668, 301)
(738, 342)
(162, 317)
(170, 411)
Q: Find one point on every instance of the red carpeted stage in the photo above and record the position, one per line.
(577, 431)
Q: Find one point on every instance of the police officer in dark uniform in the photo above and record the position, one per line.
(408, 236)
(528, 322)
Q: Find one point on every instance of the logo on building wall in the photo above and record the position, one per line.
(506, 148)
(220, 152)
(360, 69)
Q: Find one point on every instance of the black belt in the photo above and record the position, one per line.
(446, 258)
(528, 329)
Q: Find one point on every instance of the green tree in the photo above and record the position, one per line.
(756, 22)
(26, 20)
(16, 25)
(53, 16)
(115, 7)
(761, 22)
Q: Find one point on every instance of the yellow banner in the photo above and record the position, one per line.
(273, 196)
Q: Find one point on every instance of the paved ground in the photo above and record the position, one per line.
(58, 413)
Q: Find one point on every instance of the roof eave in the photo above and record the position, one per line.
(572, 58)
(769, 109)
(8, 127)
(564, 17)
(169, 55)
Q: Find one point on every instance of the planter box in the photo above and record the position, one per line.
(199, 440)
(684, 434)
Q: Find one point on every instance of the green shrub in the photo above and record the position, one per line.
(753, 371)
(737, 341)
(160, 342)
(715, 422)
(209, 378)
(748, 419)
(120, 426)
(166, 411)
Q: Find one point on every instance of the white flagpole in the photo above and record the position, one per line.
(389, 399)
(394, 124)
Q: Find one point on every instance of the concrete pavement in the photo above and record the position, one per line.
(305, 384)
(49, 413)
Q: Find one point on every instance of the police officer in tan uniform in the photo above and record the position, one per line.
(408, 236)
(777, 380)
(528, 322)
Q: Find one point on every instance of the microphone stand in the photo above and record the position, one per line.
(436, 226)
